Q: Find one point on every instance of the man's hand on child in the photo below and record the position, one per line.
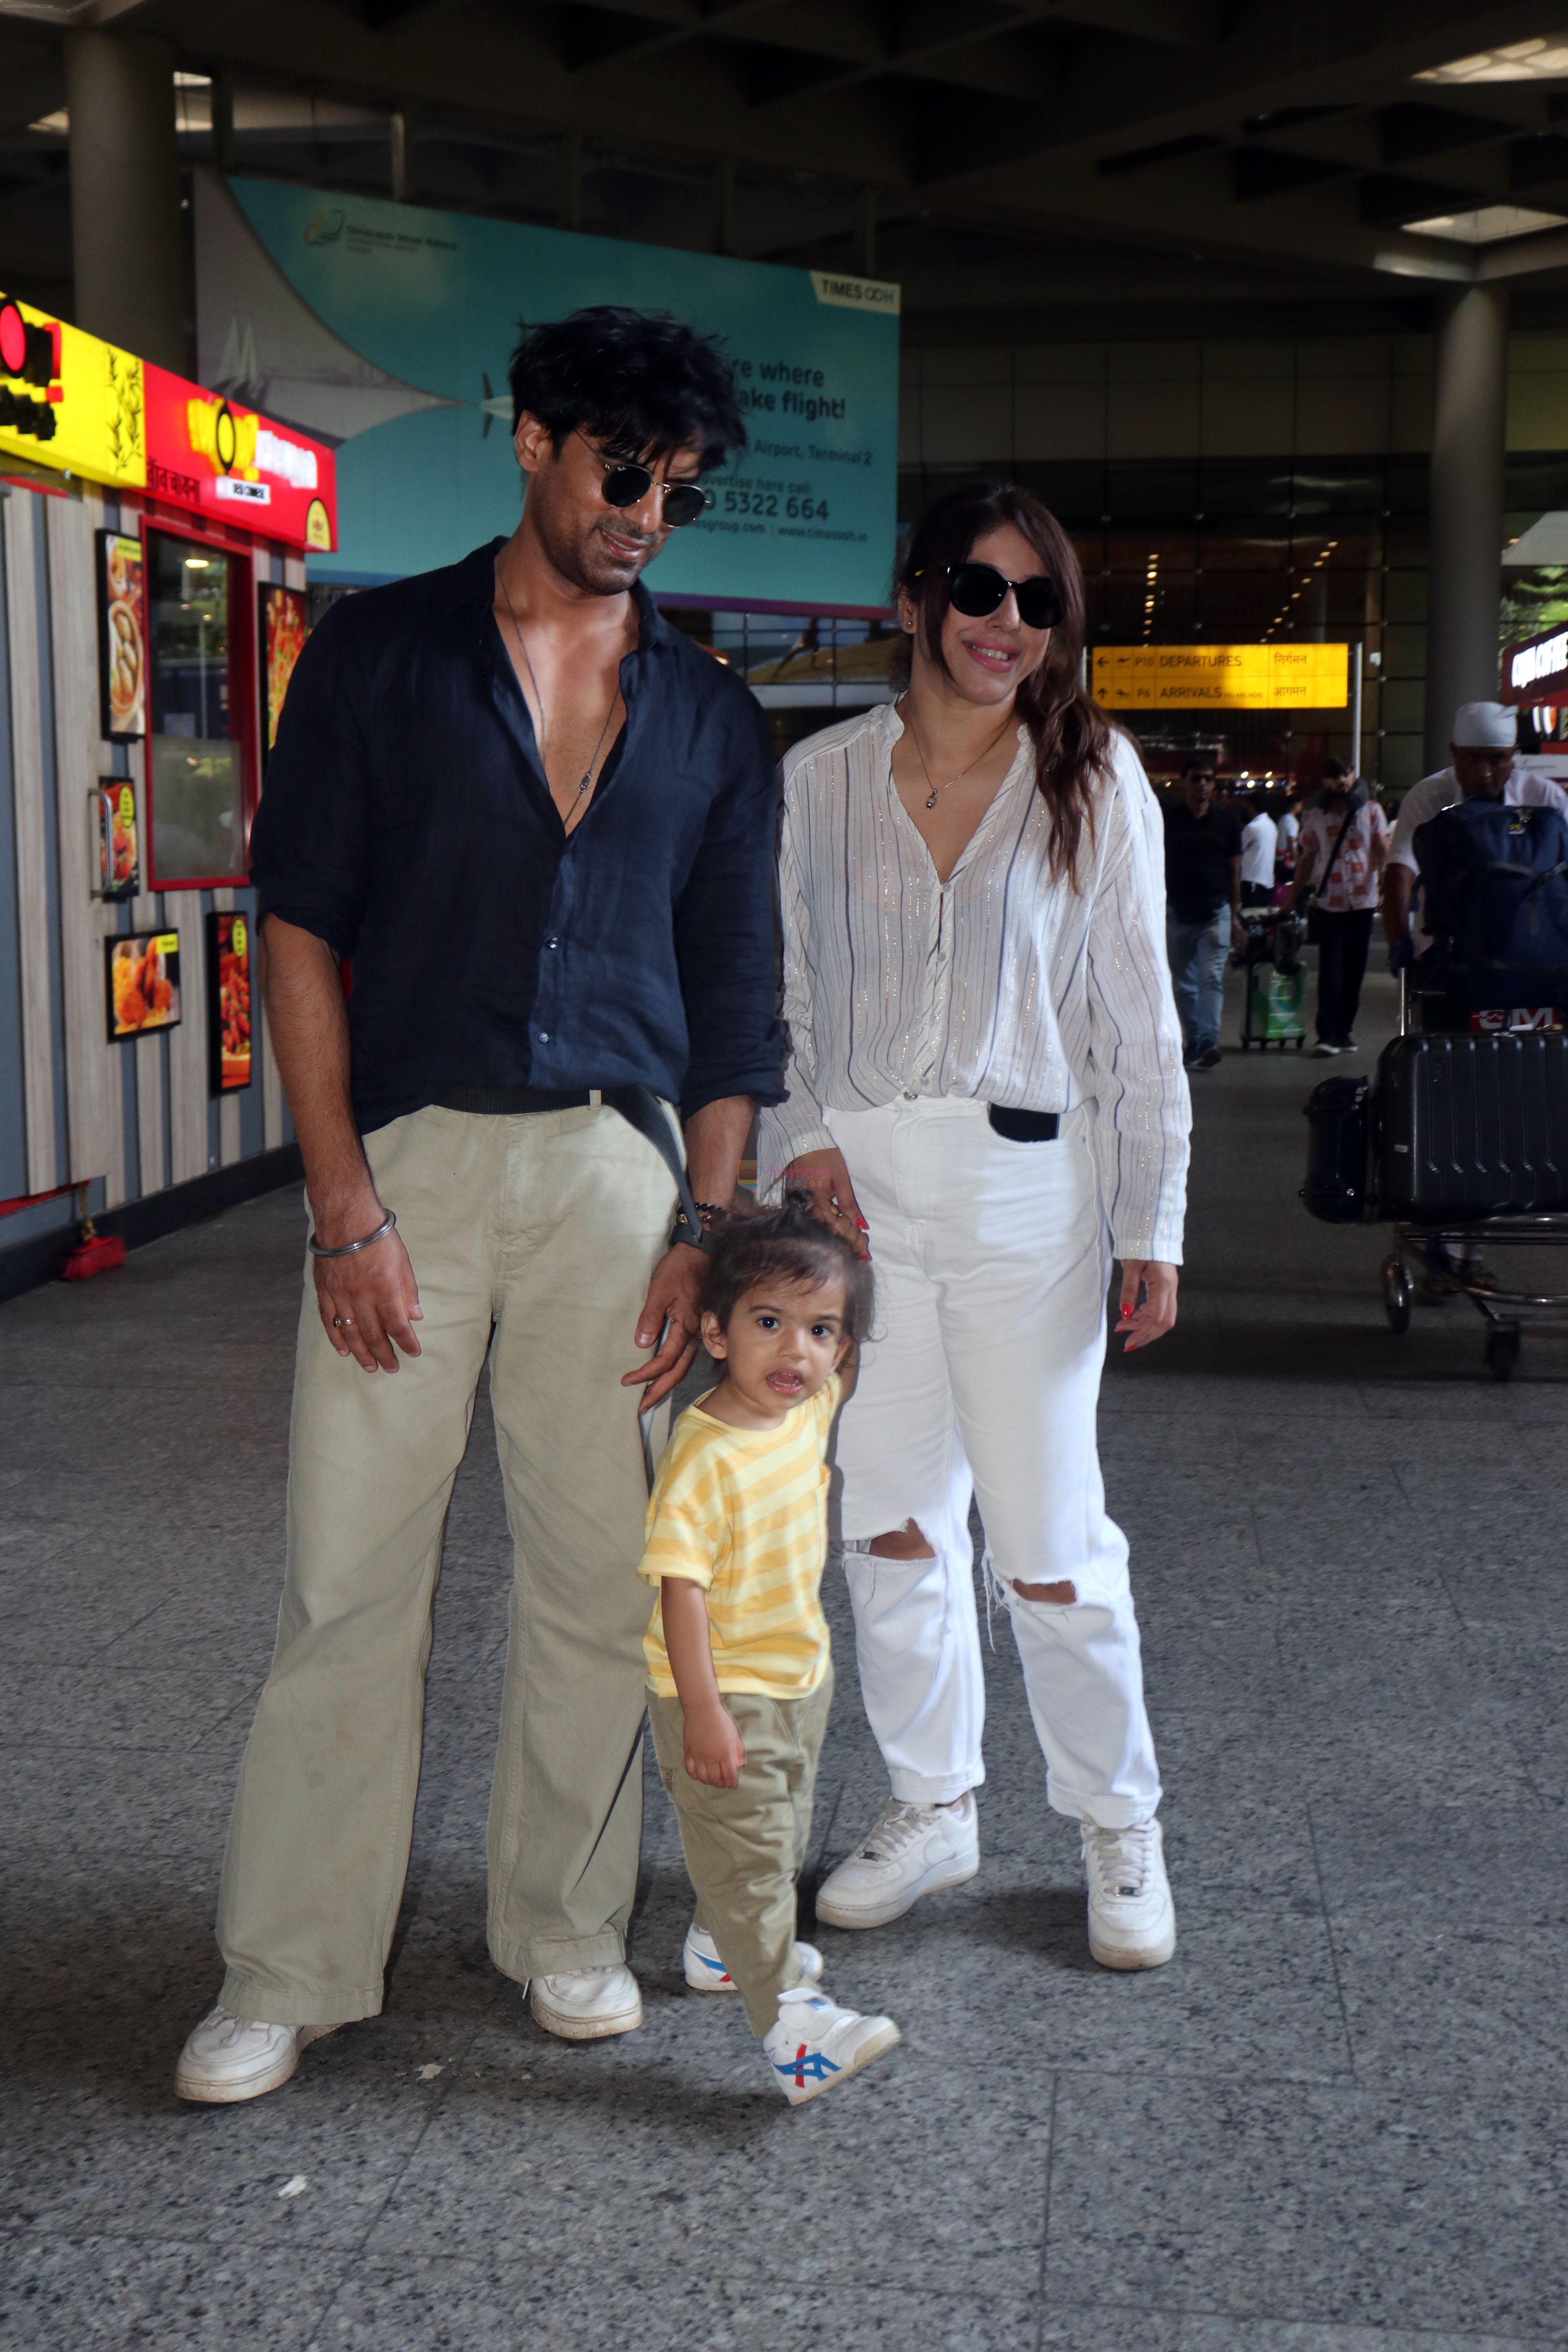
(714, 1748)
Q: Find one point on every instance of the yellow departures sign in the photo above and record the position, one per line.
(95, 392)
(1221, 678)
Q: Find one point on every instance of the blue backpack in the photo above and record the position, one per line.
(1494, 883)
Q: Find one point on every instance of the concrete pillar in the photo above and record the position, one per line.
(1468, 429)
(127, 241)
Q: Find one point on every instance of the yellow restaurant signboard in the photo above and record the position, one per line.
(1221, 678)
(80, 406)
(67, 400)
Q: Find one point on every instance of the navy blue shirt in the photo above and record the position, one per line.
(407, 823)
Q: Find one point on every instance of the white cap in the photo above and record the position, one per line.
(1485, 727)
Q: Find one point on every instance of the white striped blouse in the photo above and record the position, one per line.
(999, 983)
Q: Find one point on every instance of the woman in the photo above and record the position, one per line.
(986, 1077)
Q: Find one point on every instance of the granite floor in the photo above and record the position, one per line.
(1334, 2124)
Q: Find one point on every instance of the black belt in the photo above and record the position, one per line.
(504, 1102)
(1025, 1126)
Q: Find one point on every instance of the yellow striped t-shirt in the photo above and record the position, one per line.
(744, 1513)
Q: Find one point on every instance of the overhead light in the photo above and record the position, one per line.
(1545, 60)
(197, 563)
(1489, 224)
(56, 125)
(193, 82)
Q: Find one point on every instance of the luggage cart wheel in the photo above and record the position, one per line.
(1396, 1295)
(1502, 1350)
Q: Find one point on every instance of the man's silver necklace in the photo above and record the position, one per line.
(920, 756)
(586, 786)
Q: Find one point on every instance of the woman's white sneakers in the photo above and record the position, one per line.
(586, 2004)
(229, 2058)
(815, 2044)
(1132, 1918)
(913, 1851)
(706, 1972)
(916, 1849)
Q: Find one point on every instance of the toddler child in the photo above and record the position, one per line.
(739, 1676)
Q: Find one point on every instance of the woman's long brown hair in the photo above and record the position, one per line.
(1069, 731)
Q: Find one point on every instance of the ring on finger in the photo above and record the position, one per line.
(342, 1322)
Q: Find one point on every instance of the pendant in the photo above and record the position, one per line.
(931, 802)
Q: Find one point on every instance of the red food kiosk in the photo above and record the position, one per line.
(153, 542)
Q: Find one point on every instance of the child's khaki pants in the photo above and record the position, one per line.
(744, 1847)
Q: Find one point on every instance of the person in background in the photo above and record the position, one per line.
(1289, 838)
(1260, 837)
(1481, 760)
(1481, 764)
(1344, 843)
(1203, 903)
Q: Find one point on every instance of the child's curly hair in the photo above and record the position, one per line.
(789, 1244)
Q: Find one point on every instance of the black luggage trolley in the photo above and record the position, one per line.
(1520, 1117)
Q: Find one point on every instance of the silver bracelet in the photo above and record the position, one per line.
(347, 1249)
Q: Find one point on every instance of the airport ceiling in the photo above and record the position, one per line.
(1018, 168)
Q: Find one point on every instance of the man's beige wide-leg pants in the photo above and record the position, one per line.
(547, 1226)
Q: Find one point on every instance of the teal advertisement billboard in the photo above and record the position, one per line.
(387, 328)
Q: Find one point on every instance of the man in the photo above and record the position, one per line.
(1483, 756)
(1203, 899)
(1481, 761)
(1289, 837)
(1259, 836)
(542, 823)
(1344, 846)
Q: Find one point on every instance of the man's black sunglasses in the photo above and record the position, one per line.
(626, 484)
(976, 589)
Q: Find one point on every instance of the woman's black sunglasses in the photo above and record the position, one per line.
(976, 589)
(626, 484)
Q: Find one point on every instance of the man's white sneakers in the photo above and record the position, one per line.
(912, 1850)
(815, 2044)
(586, 2004)
(229, 2058)
(706, 1972)
(1131, 1919)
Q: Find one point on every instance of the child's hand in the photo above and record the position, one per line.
(715, 1751)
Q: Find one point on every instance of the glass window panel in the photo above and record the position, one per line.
(1074, 490)
(1536, 479)
(1163, 492)
(1244, 488)
(196, 761)
(1328, 486)
(1243, 552)
(1161, 553)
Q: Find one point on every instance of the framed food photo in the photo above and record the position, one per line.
(284, 623)
(121, 637)
(114, 858)
(142, 974)
(228, 1003)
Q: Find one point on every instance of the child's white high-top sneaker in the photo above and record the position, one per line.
(815, 2044)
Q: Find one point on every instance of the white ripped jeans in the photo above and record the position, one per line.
(983, 1379)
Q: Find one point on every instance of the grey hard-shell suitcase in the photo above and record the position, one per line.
(1472, 1125)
